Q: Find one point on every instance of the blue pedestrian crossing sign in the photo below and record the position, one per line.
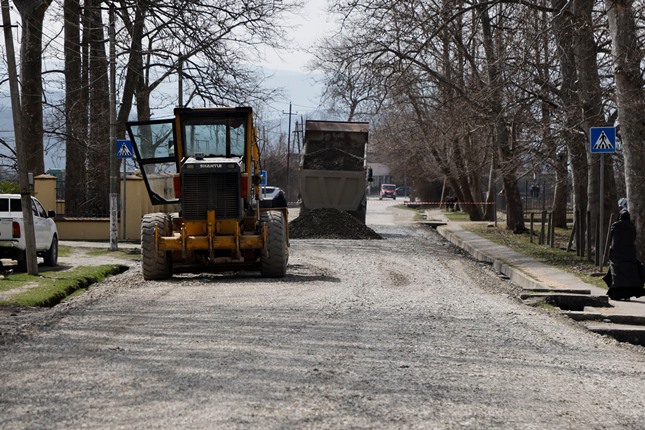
(263, 174)
(602, 140)
(124, 149)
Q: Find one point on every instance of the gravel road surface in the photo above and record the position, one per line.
(404, 332)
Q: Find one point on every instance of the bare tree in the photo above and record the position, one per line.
(32, 14)
(99, 150)
(515, 79)
(627, 55)
(350, 85)
(208, 41)
(75, 118)
(593, 111)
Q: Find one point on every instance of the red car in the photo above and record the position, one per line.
(389, 191)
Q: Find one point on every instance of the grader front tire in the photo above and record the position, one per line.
(156, 265)
(274, 265)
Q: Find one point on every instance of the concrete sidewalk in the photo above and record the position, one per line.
(579, 300)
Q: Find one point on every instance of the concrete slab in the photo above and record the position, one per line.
(567, 301)
(634, 334)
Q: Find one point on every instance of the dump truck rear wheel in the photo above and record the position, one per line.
(274, 265)
(155, 265)
(360, 214)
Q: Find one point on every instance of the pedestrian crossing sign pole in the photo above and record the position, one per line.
(124, 151)
(602, 140)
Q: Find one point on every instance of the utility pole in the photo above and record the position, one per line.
(302, 132)
(296, 134)
(180, 81)
(21, 153)
(114, 165)
(288, 149)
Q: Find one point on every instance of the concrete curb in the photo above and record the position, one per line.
(624, 321)
(481, 250)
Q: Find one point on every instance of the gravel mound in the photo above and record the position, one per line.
(327, 223)
(333, 159)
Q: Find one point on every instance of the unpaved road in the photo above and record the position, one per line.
(395, 333)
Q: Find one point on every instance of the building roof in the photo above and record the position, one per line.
(379, 169)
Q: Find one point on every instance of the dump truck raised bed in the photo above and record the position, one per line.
(212, 157)
(333, 168)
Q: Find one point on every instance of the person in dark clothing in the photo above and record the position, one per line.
(624, 275)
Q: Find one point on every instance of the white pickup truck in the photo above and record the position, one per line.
(12, 231)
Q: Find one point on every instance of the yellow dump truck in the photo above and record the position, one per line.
(213, 159)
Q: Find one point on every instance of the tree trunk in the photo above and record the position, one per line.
(75, 113)
(99, 149)
(590, 94)
(575, 140)
(135, 67)
(32, 14)
(630, 98)
(466, 196)
(491, 198)
(501, 135)
(561, 192)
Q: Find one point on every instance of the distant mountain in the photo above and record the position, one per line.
(301, 89)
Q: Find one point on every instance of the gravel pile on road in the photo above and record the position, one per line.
(327, 223)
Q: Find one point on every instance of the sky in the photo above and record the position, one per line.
(288, 68)
(311, 25)
(285, 69)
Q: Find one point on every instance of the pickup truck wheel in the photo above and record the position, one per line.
(51, 256)
(274, 265)
(155, 265)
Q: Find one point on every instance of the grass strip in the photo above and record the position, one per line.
(51, 288)
(457, 216)
(133, 254)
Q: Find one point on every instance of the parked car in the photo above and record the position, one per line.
(388, 190)
(272, 197)
(12, 231)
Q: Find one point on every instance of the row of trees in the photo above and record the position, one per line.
(206, 47)
(475, 91)
(479, 93)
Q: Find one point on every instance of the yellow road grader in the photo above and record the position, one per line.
(219, 223)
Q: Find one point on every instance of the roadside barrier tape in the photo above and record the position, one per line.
(448, 203)
(407, 202)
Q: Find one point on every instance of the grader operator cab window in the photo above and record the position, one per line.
(163, 146)
(223, 137)
(154, 140)
(154, 143)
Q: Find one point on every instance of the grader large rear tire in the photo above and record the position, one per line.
(274, 265)
(155, 265)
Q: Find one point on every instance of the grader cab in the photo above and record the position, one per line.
(211, 158)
